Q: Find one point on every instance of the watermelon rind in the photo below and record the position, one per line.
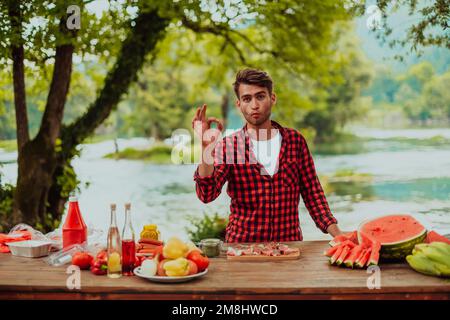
(396, 251)
(399, 251)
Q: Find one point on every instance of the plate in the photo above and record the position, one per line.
(137, 271)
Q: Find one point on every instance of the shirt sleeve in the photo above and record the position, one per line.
(312, 192)
(208, 188)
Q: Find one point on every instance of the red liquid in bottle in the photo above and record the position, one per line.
(74, 229)
(128, 257)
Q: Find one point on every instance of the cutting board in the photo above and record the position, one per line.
(292, 256)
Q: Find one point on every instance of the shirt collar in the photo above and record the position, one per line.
(249, 153)
(275, 124)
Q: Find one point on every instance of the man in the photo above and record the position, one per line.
(266, 165)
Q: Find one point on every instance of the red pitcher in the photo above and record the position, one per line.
(74, 228)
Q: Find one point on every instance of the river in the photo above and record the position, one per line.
(404, 178)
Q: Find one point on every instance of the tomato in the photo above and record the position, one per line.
(82, 259)
(193, 269)
(200, 259)
(102, 255)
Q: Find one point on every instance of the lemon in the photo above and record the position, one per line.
(114, 264)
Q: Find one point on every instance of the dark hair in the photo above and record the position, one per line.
(255, 77)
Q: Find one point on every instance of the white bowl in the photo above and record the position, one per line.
(30, 248)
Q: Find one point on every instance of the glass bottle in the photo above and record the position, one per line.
(74, 228)
(128, 244)
(114, 247)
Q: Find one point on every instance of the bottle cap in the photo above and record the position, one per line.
(127, 206)
(150, 227)
(73, 199)
(113, 206)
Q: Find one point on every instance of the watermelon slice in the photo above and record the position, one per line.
(397, 234)
(360, 256)
(363, 261)
(374, 246)
(331, 251)
(337, 254)
(351, 236)
(433, 236)
(354, 254)
(375, 254)
(343, 255)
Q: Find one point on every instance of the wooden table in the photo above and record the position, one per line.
(310, 277)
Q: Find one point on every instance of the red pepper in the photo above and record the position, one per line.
(99, 267)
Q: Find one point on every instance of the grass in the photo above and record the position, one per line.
(158, 154)
(8, 145)
(100, 138)
(348, 183)
(435, 141)
(351, 144)
(341, 144)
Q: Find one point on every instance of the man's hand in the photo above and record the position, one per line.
(334, 230)
(200, 125)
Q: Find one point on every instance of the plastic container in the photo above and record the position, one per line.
(74, 229)
(30, 248)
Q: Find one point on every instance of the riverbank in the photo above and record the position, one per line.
(346, 144)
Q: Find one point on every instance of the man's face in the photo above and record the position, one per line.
(255, 103)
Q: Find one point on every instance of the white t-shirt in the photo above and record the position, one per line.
(267, 151)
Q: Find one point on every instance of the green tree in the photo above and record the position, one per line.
(384, 85)
(157, 103)
(44, 160)
(340, 101)
(436, 97)
(122, 38)
(430, 26)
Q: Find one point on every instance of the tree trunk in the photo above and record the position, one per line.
(141, 40)
(37, 158)
(17, 53)
(37, 161)
(36, 166)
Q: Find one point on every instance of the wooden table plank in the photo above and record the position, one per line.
(308, 277)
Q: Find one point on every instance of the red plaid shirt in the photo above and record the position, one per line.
(264, 207)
